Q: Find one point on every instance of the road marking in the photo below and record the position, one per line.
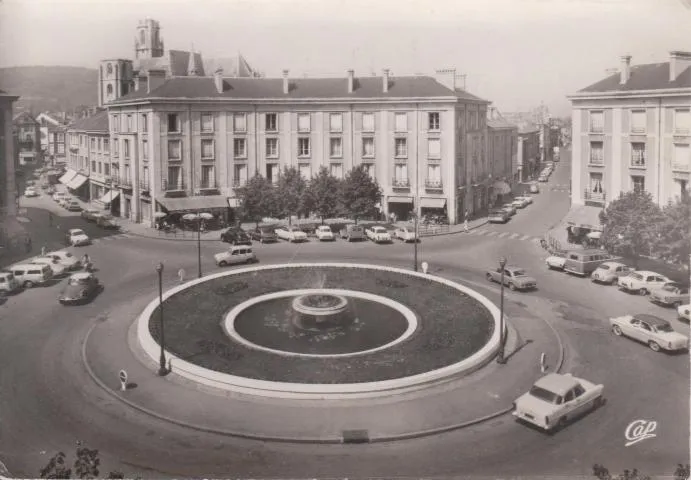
(503, 235)
(515, 236)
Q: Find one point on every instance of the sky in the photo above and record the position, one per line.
(515, 53)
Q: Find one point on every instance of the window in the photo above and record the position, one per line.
(93, 144)
(401, 147)
(208, 148)
(597, 122)
(638, 183)
(99, 167)
(61, 137)
(130, 127)
(145, 175)
(638, 121)
(434, 148)
(175, 178)
(239, 122)
(240, 172)
(638, 154)
(207, 177)
(145, 150)
(369, 169)
(473, 120)
(336, 122)
(596, 182)
(109, 90)
(597, 154)
(401, 122)
(61, 148)
(126, 148)
(368, 147)
(272, 147)
(93, 165)
(433, 121)
(367, 122)
(401, 174)
(116, 148)
(145, 125)
(106, 169)
(305, 170)
(681, 157)
(207, 122)
(240, 148)
(114, 123)
(303, 122)
(173, 123)
(682, 187)
(336, 170)
(336, 147)
(682, 121)
(174, 150)
(106, 145)
(272, 173)
(434, 175)
(271, 122)
(303, 147)
(109, 69)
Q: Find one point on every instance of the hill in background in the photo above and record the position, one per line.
(54, 89)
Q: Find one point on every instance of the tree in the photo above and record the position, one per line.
(674, 240)
(257, 198)
(602, 473)
(85, 465)
(289, 193)
(631, 224)
(360, 194)
(322, 194)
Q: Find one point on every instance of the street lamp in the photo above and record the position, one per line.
(199, 244)
(500, 357)
(162, 370)
(415, 219)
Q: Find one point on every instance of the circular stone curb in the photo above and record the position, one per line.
(235, 383)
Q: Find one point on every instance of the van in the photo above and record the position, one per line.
(30, 274)
(8, 284)
(353, 232)
(584, 262)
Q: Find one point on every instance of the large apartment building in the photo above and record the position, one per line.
(8, 179)
(632, 131)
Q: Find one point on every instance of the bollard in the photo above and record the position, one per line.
(181, 275)
(123, 380)
(543, 362)
(425, 267)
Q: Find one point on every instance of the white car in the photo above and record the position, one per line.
(292, 234)
(323, 232)
(556, 261)
(65, 258)
(235, 255)
(527, 198)
(58, 268)
(407, 234)
(684, 312)
(641, 282)
(30, 192)
(76, 237)
(57, 196)
(520, 202)
(534, 188)
(378, 234)
(655, 332)
(557, 398)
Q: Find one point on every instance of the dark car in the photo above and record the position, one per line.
(90, 214)
(264, 234)
(236, 236)
(81, 287)
(498, 216)
(106, 221)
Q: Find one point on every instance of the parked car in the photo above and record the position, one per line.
(514, 277)
(49, 189)
(236, 236)
(542, 178)
(556, 261)
(657, 333)
(58, 268)
(8, 283)
(66, 258)
(77, 238)
(641, 282)
(106, 221)
(510, 208)
(684, 312)
(30, 192)
(89, 214)
(324, 233)
(30, 274)
(73, 206)
(59, 195)
(671, 293)
(235, 255)
(81, 287)
(586, 261)
(610, 272)
(405, 233)
(557, 398)
(264, 234)
(520, 202)
(64, 201)
(498, 216)
(534, 188)
(291, 233)
(353, 232)
(378, 234)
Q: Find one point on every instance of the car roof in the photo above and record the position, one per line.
(81, 275)
(557, 383)
(651, 319)
(648, 272)
(613, 264)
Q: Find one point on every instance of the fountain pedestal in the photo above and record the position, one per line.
(321, 312)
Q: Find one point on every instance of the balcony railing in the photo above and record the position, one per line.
(594, 198)
(434, 185)
(144, 185)
(400, 183)
(173, 186)
(680, 167)
(208, 185)
(123, 182)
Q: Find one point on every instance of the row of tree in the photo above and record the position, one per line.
(634, 225)
(356, 196)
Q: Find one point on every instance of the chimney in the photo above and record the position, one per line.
(625, 70)
(385, 80)
(286, 83)
(156, 78)
(678, 62)
(351, 80)
(218, 79)
(140, 83)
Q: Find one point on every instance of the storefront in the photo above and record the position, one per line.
(432, 206)
(401, 206)
(79, 186)
(498, 191)
(216, 205)
(582, 222)
(110, 200)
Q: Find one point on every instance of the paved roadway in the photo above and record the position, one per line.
(47, 402)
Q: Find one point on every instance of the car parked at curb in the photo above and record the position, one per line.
(556, 399)
(236, 236)
(324, 233)
(89, 214)
(77, 238)
(514, 277)
(352, 232)
(81, 288)
(58, 268)
(498, 216)
(520, 202)
(57, 196)
(672, 293)
(30, 274)
(534, 188)
(9, 284)
(30, 192)
(237, 254)
(654, 331)
(406, 234)
(684, 312)
(264, 234)
(641, 282)
(72, 206)
(610, 272)
(510, 208)
(291, 234)
(378, 234)
(66, 258)
(556, 260)
(106, 221)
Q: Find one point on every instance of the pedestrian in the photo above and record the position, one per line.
(43, 251)
(466, 217)
(28, 244)
(181, 275)
(50, 219)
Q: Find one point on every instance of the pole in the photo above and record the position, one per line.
(415, 243)
(199, 245)
(162, 370)
(501, 359)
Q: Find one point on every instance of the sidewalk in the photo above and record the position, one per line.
(484, 394)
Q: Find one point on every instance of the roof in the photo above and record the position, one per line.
(232, 67)
(173, 62)
(300, 88)
(647, 272)
(94, 123)
(651, 319)
(528, 127)
(652, 76)
(24, 117)
(498, 123)
(557, 383)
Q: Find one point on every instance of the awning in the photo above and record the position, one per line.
(400, 199)
(67, 176)
(109, 197)
(432, 202)
(200, 202)
(234, 202)
(501, 187)
(584, 216)
(77, 182)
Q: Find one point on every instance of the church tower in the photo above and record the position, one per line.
(115, 79)
(148, 42)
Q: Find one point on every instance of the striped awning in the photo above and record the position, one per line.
(77, 181)
(67, 177)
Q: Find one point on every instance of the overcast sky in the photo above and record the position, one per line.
(516, 53)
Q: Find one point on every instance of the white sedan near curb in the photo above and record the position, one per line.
(655, 332)
(324, 233)
(58, 268)
(292, 234)
(378, 234)
(407, 234)
(684, 312)
(556, 261)
(76, 237)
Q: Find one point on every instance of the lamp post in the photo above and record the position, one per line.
(415, 219)
(162, 370)
(199, 245)
(500, 357)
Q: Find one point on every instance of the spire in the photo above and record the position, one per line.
(193, 69)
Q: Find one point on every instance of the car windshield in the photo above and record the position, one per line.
(637, 276)
(519, 273)
(603, 267)
(78, 281)
(67, 254)
(664, 328)
(77, 232)
(267, 230)
(542, 394)
(378, 229)
(324, 229)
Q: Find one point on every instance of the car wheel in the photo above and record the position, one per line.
(613, 281)
(654, 346)
(599, 401)
(28, 284)
(617, 330)
(562, 422)
(512, 287)
(642, 291)
(222, 263)
(489, 278)
(677, 304)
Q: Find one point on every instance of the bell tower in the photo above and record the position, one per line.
(148, 42)
(115, 79)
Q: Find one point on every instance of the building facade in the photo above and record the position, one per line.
(28, 139)
(8, 180)
(502, 147)
(528, 151)
(53, 138)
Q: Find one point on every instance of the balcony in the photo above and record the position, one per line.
(174, 189)
(123, 182)
(594, 199)
(434, 185)
(400, 183)
(208, 188)
(680, 167)
(144, 187)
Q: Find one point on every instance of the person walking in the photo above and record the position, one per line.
(43, 251)
(50, 219)
(466, 217)
(28, 244)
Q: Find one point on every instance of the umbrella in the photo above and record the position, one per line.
(160, 214)
(189, 216)
(594, 235)
(206, 216)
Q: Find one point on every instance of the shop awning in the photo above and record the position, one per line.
(501, 187)
(400, 199)
(432, 202)
(234, 202)
(67, 177)
(584, 216)
(77, 182)
(201, 202)
(109, 197)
